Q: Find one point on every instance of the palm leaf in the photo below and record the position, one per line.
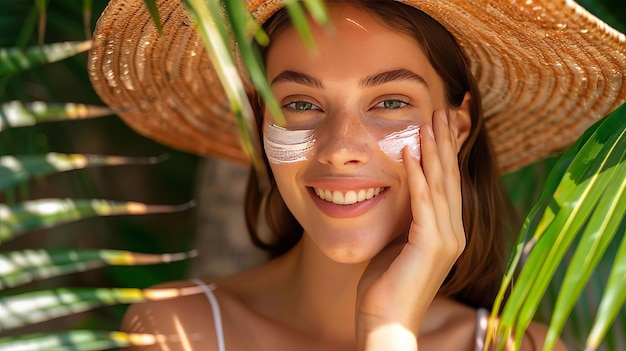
(606, 218)
(214, 30)
(21, 114)
(78, 340)
(14, 169)
(15, 59)
(21, 267)
(46, 213)
(582, 199)
(612, 301)
(42, 305)
(209, 19)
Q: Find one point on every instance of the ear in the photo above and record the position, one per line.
(461, 121)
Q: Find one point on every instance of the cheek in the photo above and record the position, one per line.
(285, 176)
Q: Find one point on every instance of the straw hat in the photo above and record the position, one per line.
(547, 69)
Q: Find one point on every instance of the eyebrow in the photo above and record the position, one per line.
(368, 82)
(394, 75)
(299, 78)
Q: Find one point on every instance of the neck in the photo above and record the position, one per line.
(323, 291)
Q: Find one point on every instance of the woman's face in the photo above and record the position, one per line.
(362, 82)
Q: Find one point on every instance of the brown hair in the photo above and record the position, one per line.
(475, 278)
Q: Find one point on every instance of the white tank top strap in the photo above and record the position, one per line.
(482, 319)
(217, 315)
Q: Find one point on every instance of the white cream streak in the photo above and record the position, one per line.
(393, 143)
(287, 146)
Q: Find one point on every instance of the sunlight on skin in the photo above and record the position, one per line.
(184, 339)
(391, 337)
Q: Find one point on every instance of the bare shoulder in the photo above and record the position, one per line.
(458, 327)
(179, 315)
(535, 337)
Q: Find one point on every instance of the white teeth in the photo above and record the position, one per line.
(337, 198)
(328, 196)
(349, 197)
(362, 195)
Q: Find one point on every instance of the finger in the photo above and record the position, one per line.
(445, 137)
(435, 176)
(421, 201)
(430, 237)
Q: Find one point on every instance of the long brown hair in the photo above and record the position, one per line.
(475, 278)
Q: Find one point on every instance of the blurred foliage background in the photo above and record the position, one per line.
(173, 181)
(168, 182)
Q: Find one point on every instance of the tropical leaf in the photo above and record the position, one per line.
(154, 12)
(21, 267)
(14, 169)
(20, 114)
(214, 30)
(612, 301)
(78, 340)
(42, 305)
(46, 213)
(208, 17)
(606, 218)
(577, 199)
(15, 59)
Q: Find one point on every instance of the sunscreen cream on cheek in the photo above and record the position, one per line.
(287, 146)
(393, 144)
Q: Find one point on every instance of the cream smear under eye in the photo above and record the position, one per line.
(287, 146)
(393, 144)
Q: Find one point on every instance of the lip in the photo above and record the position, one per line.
(346, 211)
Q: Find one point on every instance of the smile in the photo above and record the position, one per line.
(348, 197)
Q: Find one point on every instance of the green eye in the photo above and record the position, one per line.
(301, 106)
(392, 104)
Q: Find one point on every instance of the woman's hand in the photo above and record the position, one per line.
(401, 282)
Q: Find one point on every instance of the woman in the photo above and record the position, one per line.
(384, 207)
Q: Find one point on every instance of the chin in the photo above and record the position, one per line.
(353, 248)
(350, 256)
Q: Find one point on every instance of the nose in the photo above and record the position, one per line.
(343, 141)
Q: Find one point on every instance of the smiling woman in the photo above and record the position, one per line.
(384, 210)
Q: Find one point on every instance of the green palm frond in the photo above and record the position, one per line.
(582, 200)
(211, 24)
(46, 213)
(42, 305)
(15, 169)
(25, 266)
(83, 340)
(20, 267)
(614, 297)
(215, 30)
(21, 114)
(15, 59)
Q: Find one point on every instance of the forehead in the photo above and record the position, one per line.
(357, 40)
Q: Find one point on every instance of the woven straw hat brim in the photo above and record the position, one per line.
(546, 69)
